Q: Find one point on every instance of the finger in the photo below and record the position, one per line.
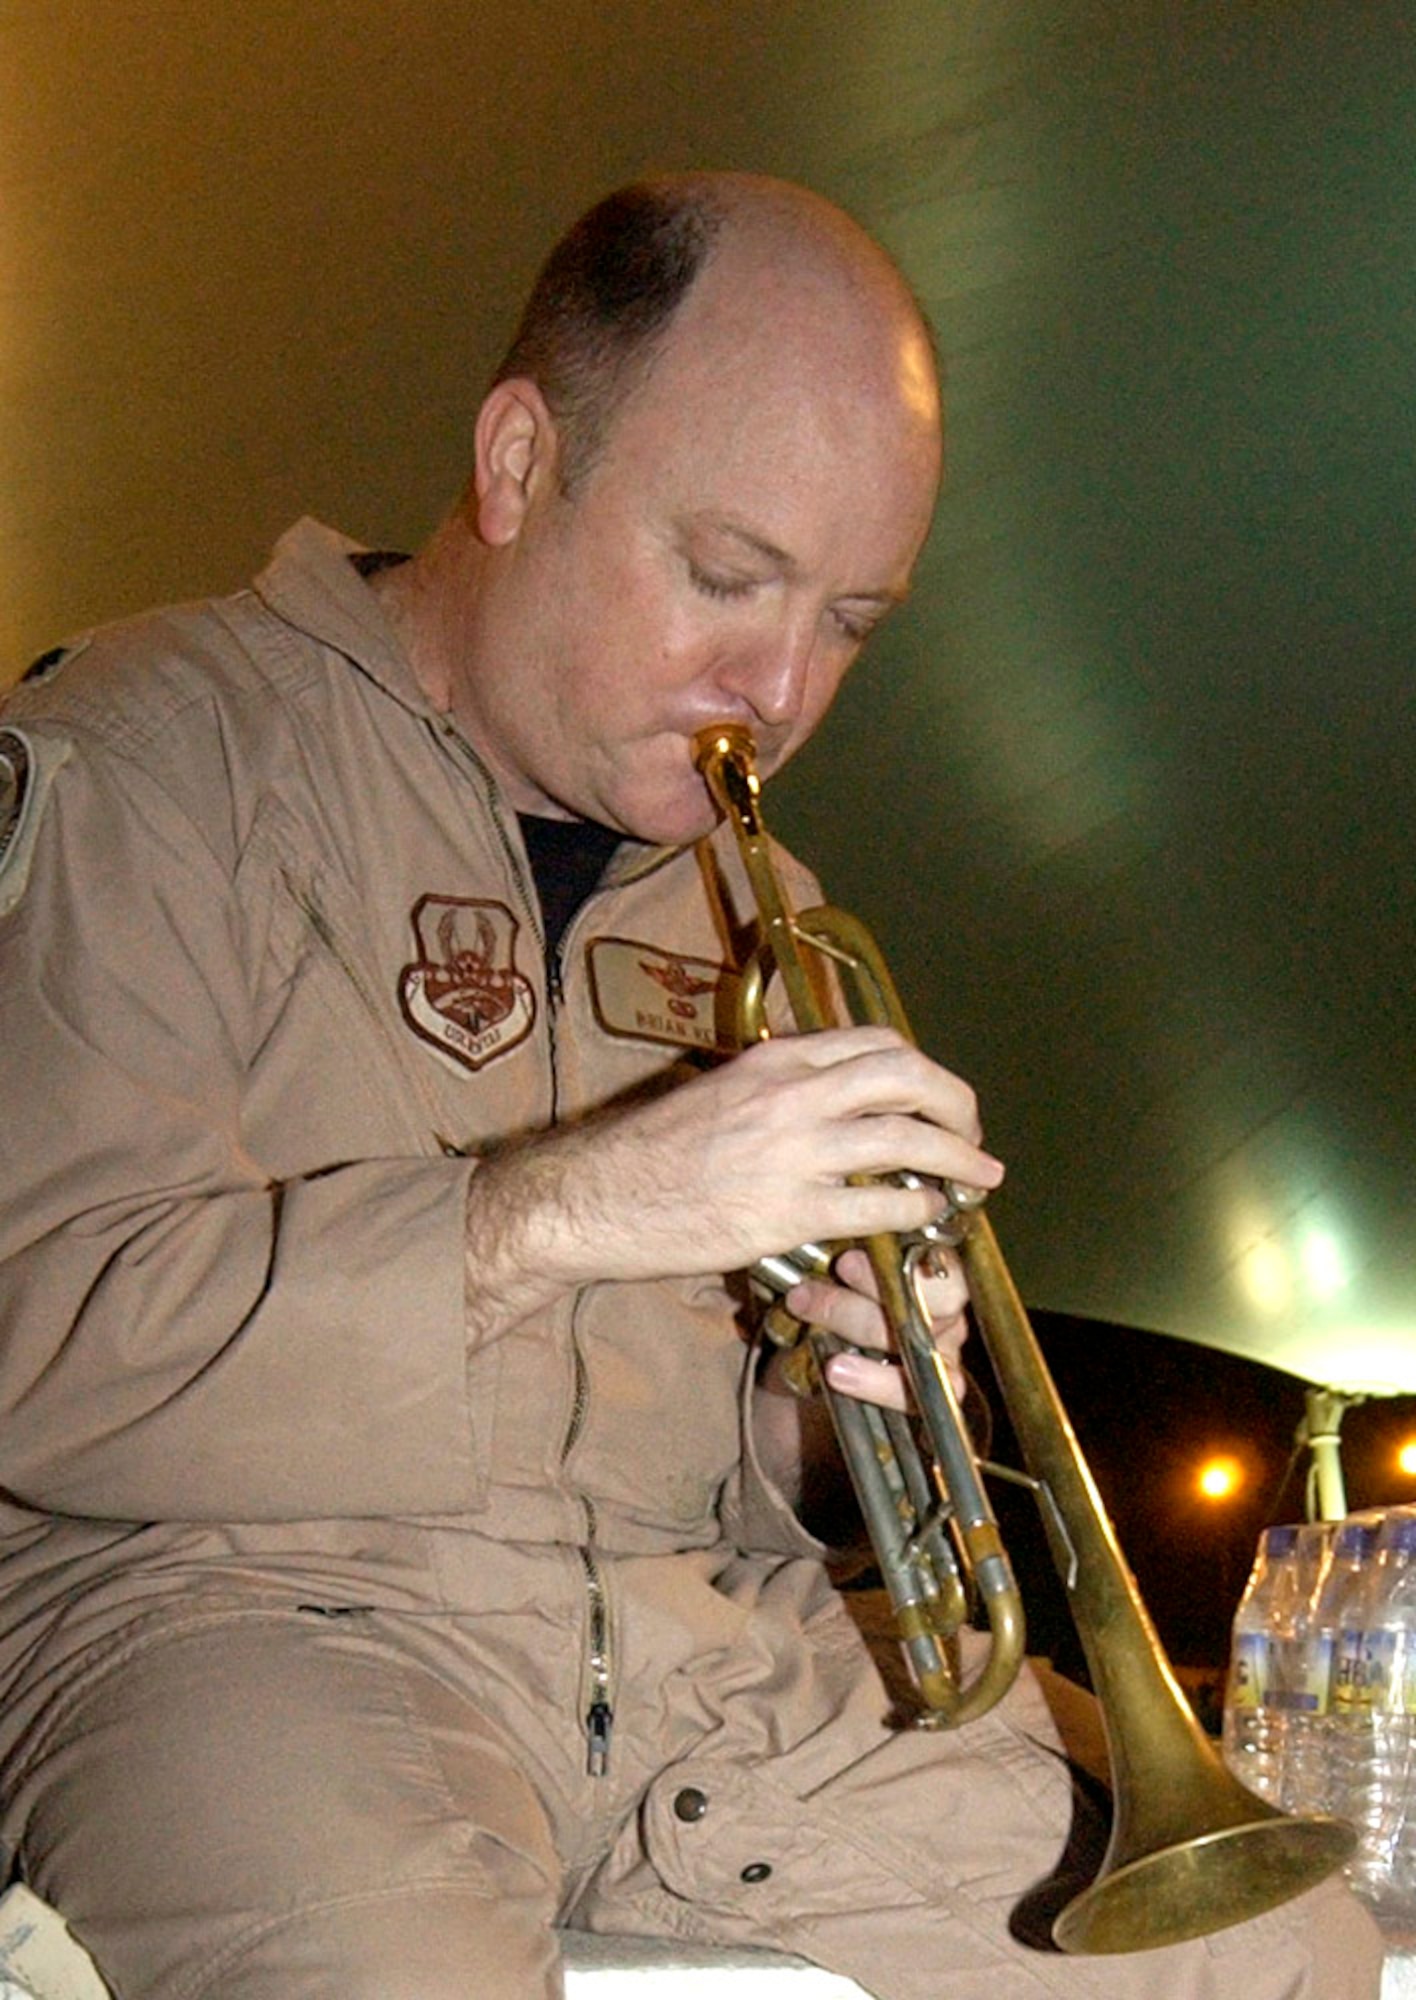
(944, 1289)
(853, 1210)
(869, 1378)
(873, 1070)
(890, 1142)
(879, 1379)
(850, 1310)
(949, 1337)
(901, 1079)
(825, 1048)
(942, 1285)
(849, 1314)
(847, 1302)
(854, 1268)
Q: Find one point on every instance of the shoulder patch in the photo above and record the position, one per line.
(647, 994)
(27, 765)
(48, 664)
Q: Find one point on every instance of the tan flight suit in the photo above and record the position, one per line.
(338, 1659)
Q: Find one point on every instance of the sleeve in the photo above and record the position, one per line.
(180, 1336)
(755, 1515)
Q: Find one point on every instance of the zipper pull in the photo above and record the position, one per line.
(598, 1723)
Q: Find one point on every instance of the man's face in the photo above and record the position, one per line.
(756, 510)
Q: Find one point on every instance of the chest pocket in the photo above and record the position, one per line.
(339, 1072)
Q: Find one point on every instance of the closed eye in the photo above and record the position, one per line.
(856, 626)
(713, 585)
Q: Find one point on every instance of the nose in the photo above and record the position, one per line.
(774, 678)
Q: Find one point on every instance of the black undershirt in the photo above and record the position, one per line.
(568, 857)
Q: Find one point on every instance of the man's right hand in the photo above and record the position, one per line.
(750, 1158)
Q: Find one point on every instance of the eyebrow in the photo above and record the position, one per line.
(760, 545)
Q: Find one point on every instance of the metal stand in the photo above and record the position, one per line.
(1320, 1433)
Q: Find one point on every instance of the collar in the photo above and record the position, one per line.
(313, 584)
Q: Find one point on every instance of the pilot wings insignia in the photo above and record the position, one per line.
(676, 979)
(646, 994)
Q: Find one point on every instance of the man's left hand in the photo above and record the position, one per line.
(849, 1307)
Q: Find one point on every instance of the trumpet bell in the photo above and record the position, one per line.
(1181, 1884)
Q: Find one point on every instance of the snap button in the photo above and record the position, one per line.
(757, 1871)
(691, 1804)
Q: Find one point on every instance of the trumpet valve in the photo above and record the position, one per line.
(951, 1225)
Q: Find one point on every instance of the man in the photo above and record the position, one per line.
(399, 1552)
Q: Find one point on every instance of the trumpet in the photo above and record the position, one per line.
(1191, 1849)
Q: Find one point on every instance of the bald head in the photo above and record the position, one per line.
(703, 476)
(610, 290)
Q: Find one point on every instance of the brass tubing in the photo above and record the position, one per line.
(1192, 1850)
(919, 1574)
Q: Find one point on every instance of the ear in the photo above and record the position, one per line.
(516, 447)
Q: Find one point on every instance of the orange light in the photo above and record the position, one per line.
(1406, 1458)
(1219, 1478)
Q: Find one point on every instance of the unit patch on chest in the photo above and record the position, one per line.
(463, 992)
(649, 995)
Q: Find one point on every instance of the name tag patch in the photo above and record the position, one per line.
(645, 994)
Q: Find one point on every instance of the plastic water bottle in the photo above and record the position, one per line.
(1314, 1780)
(1255, 1724)
(1381, 1773)
(1305, 1678)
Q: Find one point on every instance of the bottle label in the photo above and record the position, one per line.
(1352, 1673)
(1310, 1688)
(1248, 1670)
(1392, 1669)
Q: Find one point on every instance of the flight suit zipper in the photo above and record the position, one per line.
(599, 1710)
(598, 1683)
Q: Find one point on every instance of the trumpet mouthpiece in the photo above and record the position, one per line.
(723, 739)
